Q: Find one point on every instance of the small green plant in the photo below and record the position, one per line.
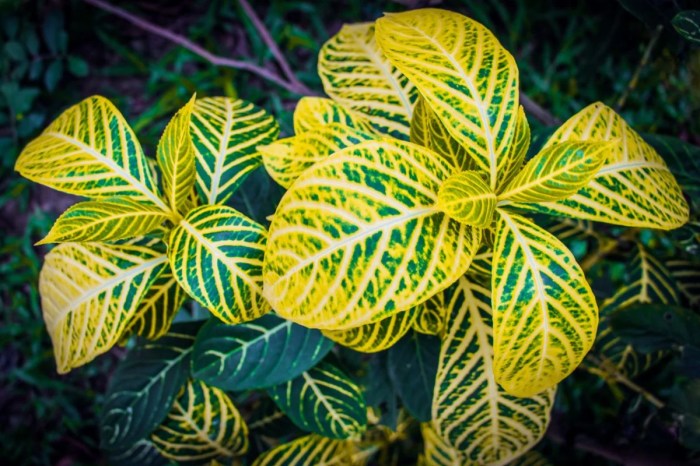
(404, 228)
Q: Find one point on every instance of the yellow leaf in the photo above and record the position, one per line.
(437, 452)
(464, 74)
(517, 152)
(544, 313)
(358, 238)
(466, 198)
(430, 316)
(375, 336)
(91, 151)
(356, 74)
(634, 187)
(312, 112)
(311, 450)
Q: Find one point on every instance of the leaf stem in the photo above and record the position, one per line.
(607, 371)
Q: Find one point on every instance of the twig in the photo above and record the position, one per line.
(534, 109)
(272, 45)
(604, 370)
(264, 73)
(643, 63)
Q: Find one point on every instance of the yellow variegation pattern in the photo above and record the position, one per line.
(430, 316)
(557, 172)
(356, 74)
(110, 220)
(216, 254)
(471, 412)
(634, 187)
(437, 452)
(175, 155)
(89, 293)
(518, 151)
(312, 450)
(467, 198)
(464, 74)
(91, 151)
(203, 424)
(226, 133)
(358, 238)
(544, 312)
(375, 336)
(428, 131)
(312, 112)
(285, 160)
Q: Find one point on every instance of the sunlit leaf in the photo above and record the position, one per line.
(375, 336)
(312, 112)
(437, 452)
(311, 450)
(467, 198)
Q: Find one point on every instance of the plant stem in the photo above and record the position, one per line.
(534, 109)
(602, 369)
(638, 71)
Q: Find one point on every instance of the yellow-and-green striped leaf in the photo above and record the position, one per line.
(323, 400)
(437, 452)
(355, 74)
(286, 159)
(634, 187)
(175, 155)
(430, 316)
(312, 112)
(428, 131)
(482, 263)
(687, 276)
(467, 198)
(471, 412)
(311, 450)
(109, 220)
(557, 172)
(358, 238)
(518, 151)
(90, 292)
(464, 74)
(375, 336)
(225, 133)
(544, 312)
(91, 151)
(216, 254)
(203, 424)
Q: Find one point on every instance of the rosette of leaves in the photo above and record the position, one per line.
(415, 164)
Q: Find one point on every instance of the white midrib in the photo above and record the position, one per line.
(490, 380)
(204, 436)
(376, 59)
(322, 398)
(219, 166)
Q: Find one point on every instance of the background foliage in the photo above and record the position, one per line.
(570, 53)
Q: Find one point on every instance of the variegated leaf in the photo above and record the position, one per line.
(203, 424)
(91, 151)
(517, 152)
(467, 198)
(544, 312)
(109, 220)
(356, 74)
(323, 400)
(358, 238)
(570, 228)
(257, 354)
(634, 187)
(464, 74)
(428, 131)
(687, 277)
(437, 452)
(143, 453)
(311, 450)
(430, 317)
(175, 155)
(313, 112)
(471, 412)
(286, 159)
(375, 336)
(225, 133)
(557, 172)
(482, 263)
(89, 293)
(216, 254)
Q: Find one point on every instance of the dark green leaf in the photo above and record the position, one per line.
(323, 400)
(379, 391)
(413, 365)
(52, 29)
(53, 74)
(687, 24)
(650, 327)
(690, 361)
(686, 400)
(31, 41)
(142, 453)
(256, 354)
(144, 386)
(77, 66)
(35, 69)
(15, 51)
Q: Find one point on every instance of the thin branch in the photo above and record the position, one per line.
(642, 64)
(217, 60)
(534, 109)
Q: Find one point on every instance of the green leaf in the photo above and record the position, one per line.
(225, 133)
(545, 315)
(77, 66)
(355, 238)
(686, 400)
(175, 155)
(653, 327)
(467, 198)
(310, 450)
(144, 386)
(142, 453)
(53, 74)
(412, 367)
(356, 74)
(437, 452)
(687, 24)
(464, 74)
(108, 220)
(687, 277)
(203, 424)
(91, 151)
(471, 412)
(257, 354)
(216, 254)
(89, 293)
(323, 400)
(314, 112)
(15, 51)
